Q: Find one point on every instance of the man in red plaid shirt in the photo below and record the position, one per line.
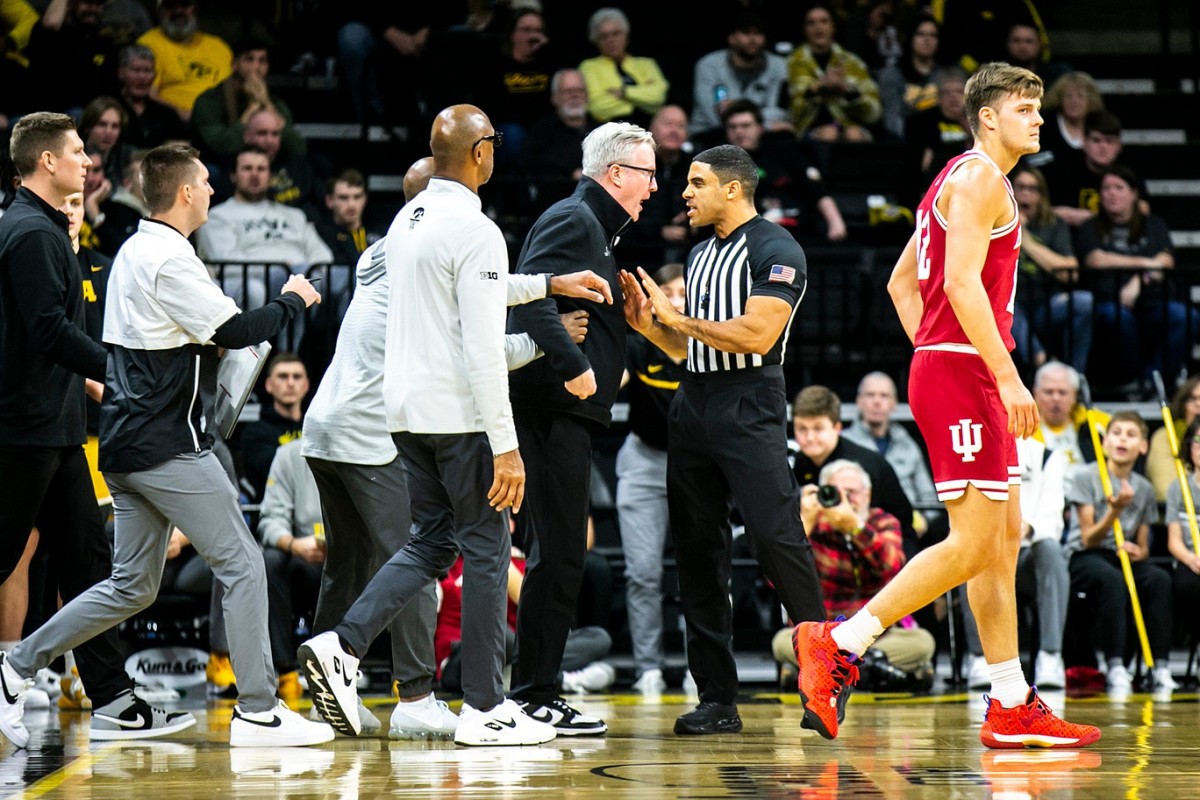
(858, 550)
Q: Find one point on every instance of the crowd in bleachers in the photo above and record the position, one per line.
(813, 97)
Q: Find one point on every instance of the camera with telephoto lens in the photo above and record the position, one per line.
(829, 496)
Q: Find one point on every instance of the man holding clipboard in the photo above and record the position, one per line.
(164, 325)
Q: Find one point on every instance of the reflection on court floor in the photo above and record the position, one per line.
(890, 746)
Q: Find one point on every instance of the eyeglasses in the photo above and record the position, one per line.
(647, 170)
(497, 139)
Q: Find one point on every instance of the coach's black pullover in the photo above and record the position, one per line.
(574, 234)
(44, 352)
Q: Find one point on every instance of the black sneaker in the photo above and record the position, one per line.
(709, 717)
(130, 717)
(566, 720)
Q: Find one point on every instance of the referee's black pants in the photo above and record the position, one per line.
(50, 488)
(552, 527)
(727, 440)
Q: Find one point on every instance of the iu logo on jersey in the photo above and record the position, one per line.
(966, 439)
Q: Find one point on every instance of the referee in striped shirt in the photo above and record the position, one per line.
(727, 438)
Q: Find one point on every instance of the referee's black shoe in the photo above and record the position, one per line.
(709, 717)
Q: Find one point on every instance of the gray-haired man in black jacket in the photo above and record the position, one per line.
(559, 400)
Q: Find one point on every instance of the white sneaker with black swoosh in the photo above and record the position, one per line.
(13, 689)
(279, 727)
(130, 717)
(500, 726)
(332, 681)
(565, 720)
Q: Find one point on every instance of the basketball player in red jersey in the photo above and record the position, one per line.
(954, 289)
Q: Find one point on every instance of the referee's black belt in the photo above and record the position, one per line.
(722, 377)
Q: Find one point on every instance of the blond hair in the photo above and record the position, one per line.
(994, 82)
(1074, 80)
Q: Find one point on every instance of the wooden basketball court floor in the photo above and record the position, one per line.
(890, 746)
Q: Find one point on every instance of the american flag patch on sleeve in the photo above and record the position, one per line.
(782, 274)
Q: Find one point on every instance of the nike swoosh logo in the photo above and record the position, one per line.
(337, 668)
(496, 723)
(653, 368)
(548, 716)
(9, 697)
(140, 722)
(97, 269)
(275, 722)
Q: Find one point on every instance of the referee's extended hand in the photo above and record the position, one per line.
(300, 285)
(663, 310)
(638, 311)
(586, 284)
(508, 485)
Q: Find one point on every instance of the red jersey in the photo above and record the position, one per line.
(939, 325)
(448, 629)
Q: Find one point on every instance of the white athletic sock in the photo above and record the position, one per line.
(1009, 687)
(858, 633)
(8, 646)
(69, 661)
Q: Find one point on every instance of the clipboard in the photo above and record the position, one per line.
(236, 376)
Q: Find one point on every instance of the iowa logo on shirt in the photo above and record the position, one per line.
(415, 217)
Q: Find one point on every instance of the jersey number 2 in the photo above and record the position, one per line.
(923, 267)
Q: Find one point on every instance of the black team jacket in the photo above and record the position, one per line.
(577, 233)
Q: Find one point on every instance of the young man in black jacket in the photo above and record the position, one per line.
(559, 400)
(45, 358)
(165, 325)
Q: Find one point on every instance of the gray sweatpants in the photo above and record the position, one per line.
(191, 492)
(1042, 574)
(367, 521)
(642, 515)
(448, 477)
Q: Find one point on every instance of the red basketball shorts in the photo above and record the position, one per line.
(957, 407)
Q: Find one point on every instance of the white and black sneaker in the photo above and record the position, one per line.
(503, 725)
(130, 717)
(369, 722)
(333, 681)
(279, 727)
(565, 720)
(13, 691)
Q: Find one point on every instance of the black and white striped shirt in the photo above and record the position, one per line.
(759, 258)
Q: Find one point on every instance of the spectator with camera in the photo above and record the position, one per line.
(858, 549)
(817, 441)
